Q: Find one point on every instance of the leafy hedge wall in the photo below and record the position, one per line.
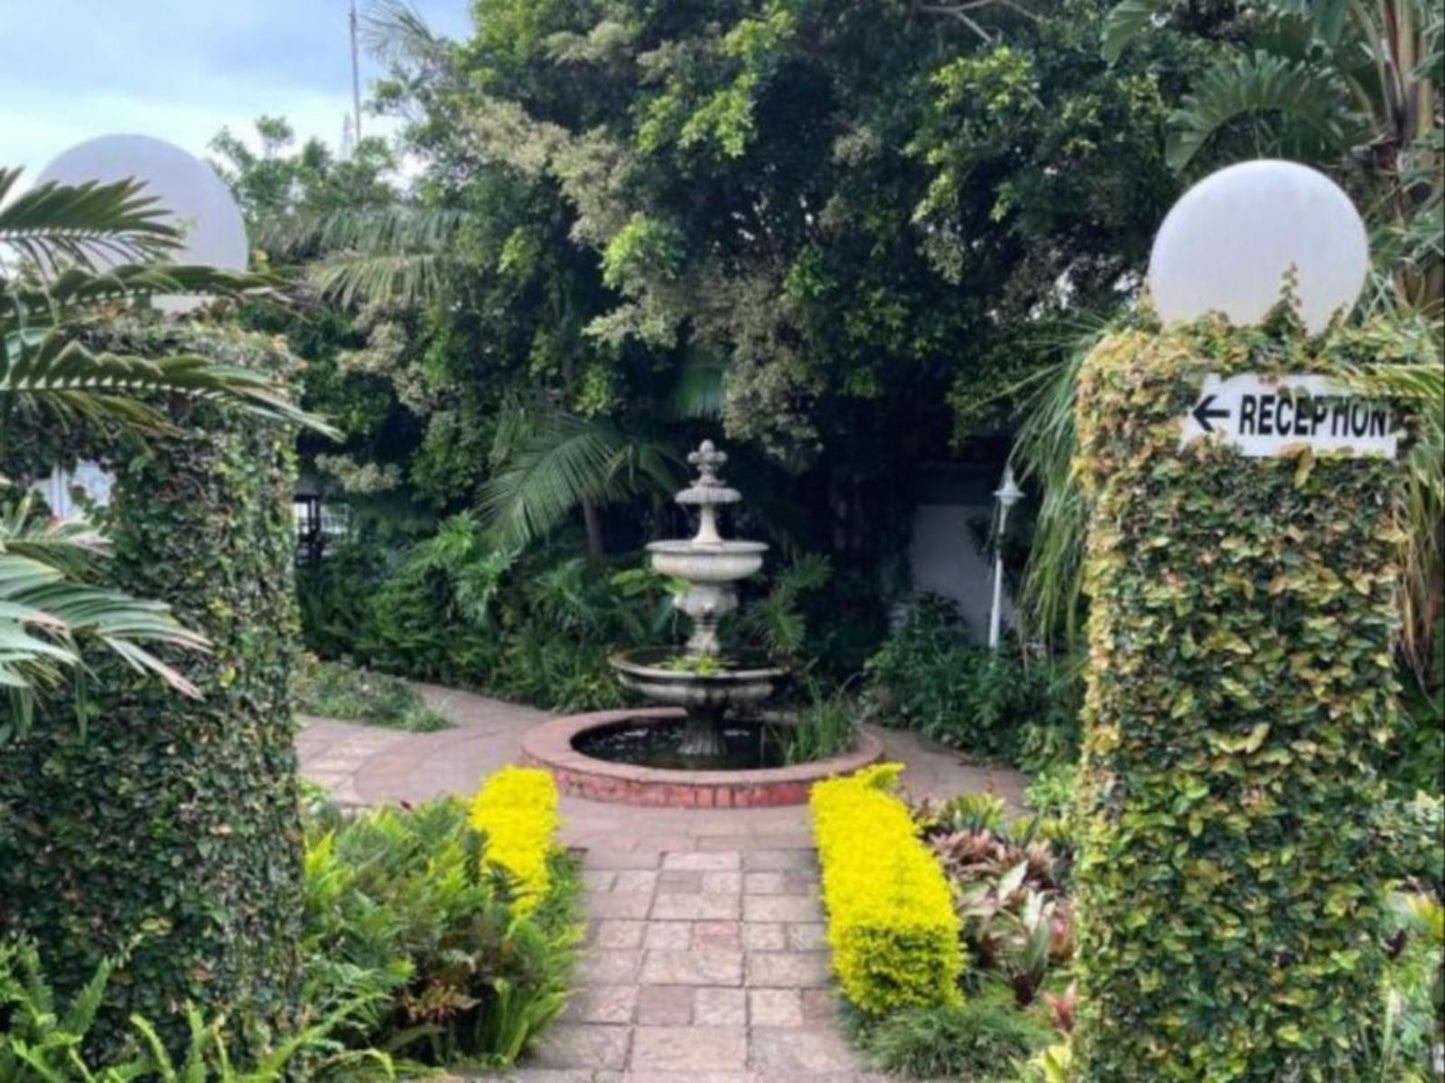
(891, 921)
(170, 826)
(1241, 685)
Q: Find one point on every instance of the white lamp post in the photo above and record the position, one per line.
(1007, 494)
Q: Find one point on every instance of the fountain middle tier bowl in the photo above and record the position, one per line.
(743, 681)
(707, 562)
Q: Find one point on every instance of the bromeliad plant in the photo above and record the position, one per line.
(1010, 882)
(71, 257)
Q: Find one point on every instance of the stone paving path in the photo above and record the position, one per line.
(701, 963)
(704, 960)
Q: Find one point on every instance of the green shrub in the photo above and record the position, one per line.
(404, 897)
(43, 1040)
(165, 818)
(530, 628)
(927, 677)
(333, 690)
(1410, 837)
(825, 726)
(1242, 613)
(972, 1042)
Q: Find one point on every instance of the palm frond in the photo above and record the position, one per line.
(395, 33)
(54, 224)
(699, 390)
(567, 461)
(47, 616)
(1044, 449)
(358, 278)
(1291, 109)
(62, 372)
(1125, 22)
(76, 292)
(1420, 502)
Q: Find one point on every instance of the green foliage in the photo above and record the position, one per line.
(1410, 836)
(167, 819)
(43, 1041)
(928, 678)
(973, 1042)
(824, 727)
(402, 896)
(1413, 1040)
(333, 690)
(1241, 686)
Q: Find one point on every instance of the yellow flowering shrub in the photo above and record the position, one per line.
(517, 810)
(891, 922)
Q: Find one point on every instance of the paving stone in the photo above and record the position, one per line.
(581, 1045)
(808, 936)
(722, 883)
(764, 936)
(801, 881)
(819, 1006)
(679, 882)
(765, 883)
(689, 1077)
(685, 1048)
(780, 908)
(667, 936)
(614, 904)
(698, 861)
(601, 967)
(693, 968)
(629, 880)
(601, 1004)
(619, 859)
(665, 1005)
(788, 969)
(767, 860)
(775, 1008)
(597, 879)
(720, 935)
(719, 1007)
(799, 1049)
(694, 908)
(617, 933)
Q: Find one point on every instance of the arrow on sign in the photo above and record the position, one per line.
(1203, 414)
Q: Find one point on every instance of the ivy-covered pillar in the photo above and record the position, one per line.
(1240, 686)
(168, 828)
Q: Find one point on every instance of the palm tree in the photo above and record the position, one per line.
(72, 255)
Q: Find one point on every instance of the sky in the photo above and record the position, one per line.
(179, 70)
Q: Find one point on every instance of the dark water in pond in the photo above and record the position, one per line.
(747, 744)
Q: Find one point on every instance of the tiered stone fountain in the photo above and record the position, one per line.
(699, 679)
(710, 746)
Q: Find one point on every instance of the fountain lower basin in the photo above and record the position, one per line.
(737, 684)
(551, 745)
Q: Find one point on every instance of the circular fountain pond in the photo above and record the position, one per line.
(569, 747)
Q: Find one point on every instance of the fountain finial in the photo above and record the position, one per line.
(707, 491)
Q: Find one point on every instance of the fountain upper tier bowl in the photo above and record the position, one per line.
(707, 562)
(744, 683)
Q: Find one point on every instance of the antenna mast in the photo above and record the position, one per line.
(355, 78)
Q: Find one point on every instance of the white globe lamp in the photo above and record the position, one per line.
(1227, 244)
(201, 206)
